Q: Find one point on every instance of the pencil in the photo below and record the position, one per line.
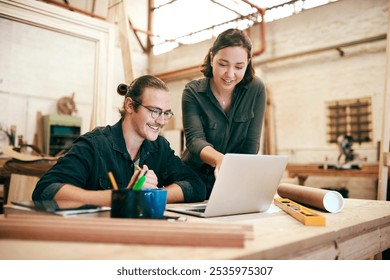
(140, 169)
(113, 182)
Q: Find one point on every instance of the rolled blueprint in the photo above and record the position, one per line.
(330, 201)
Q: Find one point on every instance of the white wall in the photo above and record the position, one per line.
(35, 73)
(52, 54)
(300, 87)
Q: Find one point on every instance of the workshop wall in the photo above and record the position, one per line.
(301, 85)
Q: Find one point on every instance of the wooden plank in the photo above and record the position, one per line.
(21, 187)
(147, 223)
(361, 246)
(385, 139)
(386, 159)
(326, 251)
(303, 171)
(269, 126)
(39, 132)
(129, 231)
(117, 11)
(385, 242)
(366, 170)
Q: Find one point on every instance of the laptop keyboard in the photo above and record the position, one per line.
(200, 210)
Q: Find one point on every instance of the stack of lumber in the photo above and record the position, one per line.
(129, 231)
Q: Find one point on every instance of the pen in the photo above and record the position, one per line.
(113, 182)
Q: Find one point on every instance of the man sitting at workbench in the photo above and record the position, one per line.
(82, 174)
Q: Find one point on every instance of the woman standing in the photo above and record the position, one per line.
(223, 112)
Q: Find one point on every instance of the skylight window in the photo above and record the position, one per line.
(187, 21)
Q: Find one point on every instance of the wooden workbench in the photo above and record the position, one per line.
(4, 179)
(360, 231)
(9, 166)
(303, 171)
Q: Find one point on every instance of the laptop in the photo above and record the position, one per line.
(245, 184)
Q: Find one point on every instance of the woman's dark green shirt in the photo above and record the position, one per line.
(206, 124)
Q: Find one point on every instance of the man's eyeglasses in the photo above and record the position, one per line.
(156, 112)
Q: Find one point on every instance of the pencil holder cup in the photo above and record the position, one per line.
(145, 203)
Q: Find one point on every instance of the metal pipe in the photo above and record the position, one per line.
(190, 71)
(328, 48)
(261, 29)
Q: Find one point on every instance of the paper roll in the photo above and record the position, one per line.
(330, 201)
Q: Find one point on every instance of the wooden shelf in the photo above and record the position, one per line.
(59, 132)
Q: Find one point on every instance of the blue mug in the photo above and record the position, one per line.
(144, 204)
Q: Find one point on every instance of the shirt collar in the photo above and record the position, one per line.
(117, 137)
(204, 85)
(120, 145)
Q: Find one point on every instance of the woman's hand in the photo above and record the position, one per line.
(212, 157)
(218, 164)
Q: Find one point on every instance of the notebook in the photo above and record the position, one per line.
(245, 184)
(64, 208)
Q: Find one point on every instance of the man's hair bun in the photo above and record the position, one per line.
(122, 89)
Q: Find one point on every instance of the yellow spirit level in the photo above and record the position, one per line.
(305, 215)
